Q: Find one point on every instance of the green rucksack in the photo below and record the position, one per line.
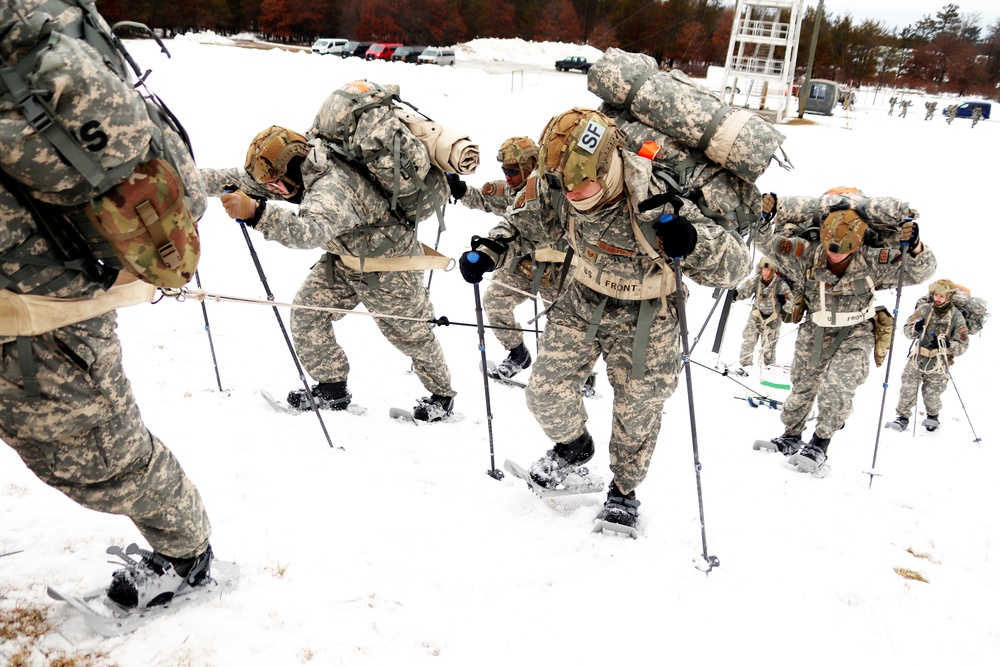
(105, 170)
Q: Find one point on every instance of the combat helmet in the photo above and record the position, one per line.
(844, 190)
(766, 263)
(270, 153)
(576, 148)
(843, 232)
(944, 287)
(520, 151)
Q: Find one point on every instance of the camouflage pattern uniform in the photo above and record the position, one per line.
(831, 362)
(84, 436)
(344, 213)
(892, 104)
(931, 108)
(977, 115)
(943, 337)
(765, 316)
(584, 324)
(952, 113)
(498, 301)
(903, 106)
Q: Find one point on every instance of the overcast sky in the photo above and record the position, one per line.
(900, 13)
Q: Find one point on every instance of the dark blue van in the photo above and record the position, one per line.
(965, 109)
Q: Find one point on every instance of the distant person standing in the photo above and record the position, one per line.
(931, 108)
(892, 104)
(977, 115)
(952, 112)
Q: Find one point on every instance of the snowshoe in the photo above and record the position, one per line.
(518, 359)
(931, 423)
(621, 510)
(154, 579)
(589, 384)
(785, 443)
(812, 457)
(326, 395)
(433, 408)
(898, 424)
(562, 466)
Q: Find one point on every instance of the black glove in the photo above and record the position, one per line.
(769, 207)
(482, 258)
(457, 186)
(781, 300)
(810, 234)
(910, 233)
(919, 326)
(676, 235)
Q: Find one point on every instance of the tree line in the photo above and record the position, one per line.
(948, 52)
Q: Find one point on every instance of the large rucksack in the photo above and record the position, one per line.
(803, 216)
(973, 308)
(363, 123)
(712, 153)
(106, 170)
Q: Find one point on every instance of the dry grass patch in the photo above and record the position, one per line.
(22, 630)
(918, 554)
(907, 573)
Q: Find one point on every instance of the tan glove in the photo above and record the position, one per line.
(239, 205)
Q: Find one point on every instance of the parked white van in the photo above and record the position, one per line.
(328, 46)
(436, 56)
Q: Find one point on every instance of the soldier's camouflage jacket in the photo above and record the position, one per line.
(946, 330)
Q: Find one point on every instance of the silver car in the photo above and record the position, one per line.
(435, 55)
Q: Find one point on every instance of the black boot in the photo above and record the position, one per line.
(931, 423)
(433, 408)
(326, 395)
(563, 460)
(621, 508)
(518, 359)
(815, 450)
(155, 578)
(788, 443)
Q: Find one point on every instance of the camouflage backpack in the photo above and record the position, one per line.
(803, 216)
(360, 124)
(710, 152)
(973, 308)
(105, 170)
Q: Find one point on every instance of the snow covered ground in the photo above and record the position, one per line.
(399, 550)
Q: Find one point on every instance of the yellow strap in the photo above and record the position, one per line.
(31, 315)
(431, 259)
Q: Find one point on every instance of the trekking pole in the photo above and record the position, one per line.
(492, 472)
(905, 247)
(281, 325)
(208, 330)
(534, 301)
(437, 242)
(977, 438)
(717, 297)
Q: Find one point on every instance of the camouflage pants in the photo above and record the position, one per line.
(86, 438)
(500, 302)
(931, 385)
(566, 359)
(832, 383)
(767, 332)
(399, 293)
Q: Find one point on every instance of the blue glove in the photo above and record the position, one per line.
(676, 235)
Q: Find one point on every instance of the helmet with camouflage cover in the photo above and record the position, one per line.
(576, 149)
(843, 232)
(519, 151)
(944, 287)
(270, 154)
(766, 263)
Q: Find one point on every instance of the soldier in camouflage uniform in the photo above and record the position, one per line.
(66, 406)
(619, 305)
(837, 278)
(903, 106)
(952, 113)
(769, 294)
(892, 104)
(343, 212)
(940, 334)
(931, 107)
(977, 115)
(531, 272)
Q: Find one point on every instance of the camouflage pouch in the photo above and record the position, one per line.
(884, 324)
(148, 226)
(792, 311)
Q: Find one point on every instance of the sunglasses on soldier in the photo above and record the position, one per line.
(511, 171)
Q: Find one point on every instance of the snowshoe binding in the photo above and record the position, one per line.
(931, 423)
(518, 359)
(433, 408)
(812, 457)
(898, 424)
(787, 444)
(326, 395)
(562, 466)
(620, 513)
(589, 390)
(154, 579)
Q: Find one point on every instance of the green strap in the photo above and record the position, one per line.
(26, 363)
(817, 355)
(640, 344)
(537, 271)
(713, 125)
(595, 321)
(327, 260)
(641, 79)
